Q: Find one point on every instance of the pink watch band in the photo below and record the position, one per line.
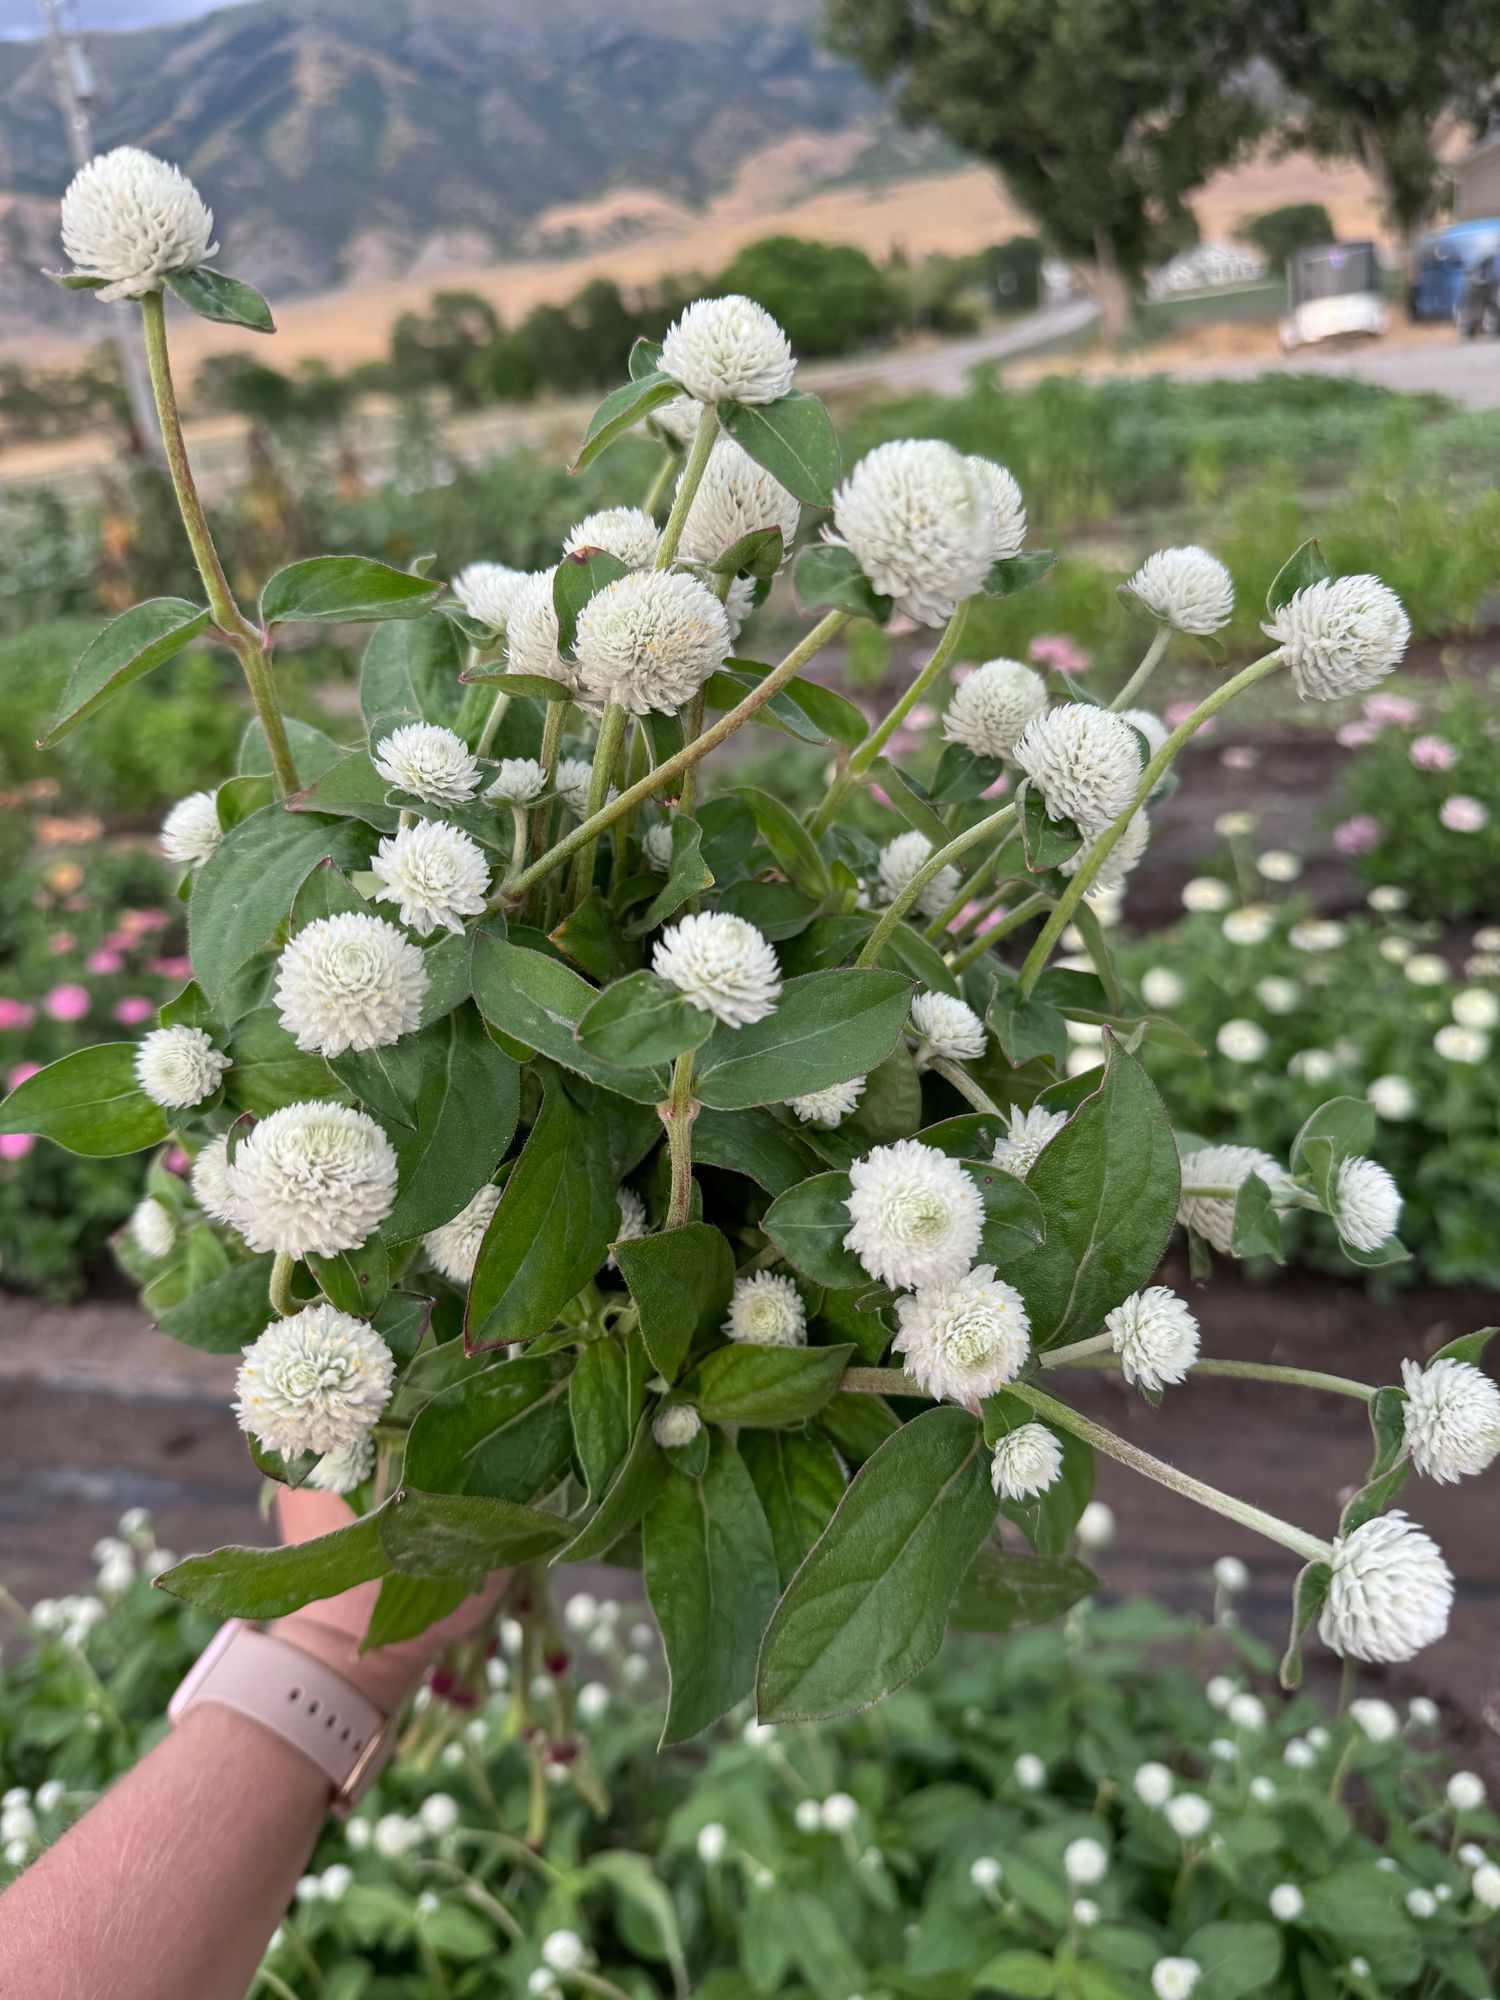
(296, 1697)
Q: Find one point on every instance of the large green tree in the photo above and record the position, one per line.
(1101, 116)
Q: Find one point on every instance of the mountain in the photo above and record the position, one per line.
(342, 140)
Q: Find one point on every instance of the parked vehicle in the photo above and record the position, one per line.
(1444, 261)
(1332, 291)
(1478, 308)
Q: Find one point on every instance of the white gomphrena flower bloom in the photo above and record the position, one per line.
(191, 831)
(949, 1028)
(153, 1228)
(1085, 762)
(1422, 1712)
(1285, 1902)
(1263, 1791)
(985, 1872)
(1174, 1978)
(728, 350)
(131, 219)
(916, 1215)
(1246, 1711)
(1007, 509)
(900, 859)
(349, 981)
(766, 1310)
(991, 706)
(313, 1382)
(839, 1813)
(430, 762)
(177, 1067)
(1186, 588)
(712, 1842)
(656, 846)
(1390, 1594)
(518, 781)
(1206, 894)
(1215, 1167)
(1277, 995)
(1465, 1791)
(1252, 924)
(1027, 1461)
(1096, 1526)
(1455, 1043)
(433, 873)
(1149, 724)
(1242, 1041)
(486, 590)
(1365, 1203)
(563, 1951)
(1085, 1862)
(921, 525)
(735, 498)
(1017, 1153)
(1477, 1007)
(1155, 1336)
(531, 631)
(453, 1249)
(209, 1180)
(678, 1424)
(345, 1467)
(961, 1339)
(722, 964)
(1154, 1784)
(650, 640)
(1377, 1719)
(1188, 1814)
(627, 533)
(1118, 863)
(312, 1177)
(1421, 1903)
(571, 783)
(1029, 1772)
(1485, 1883)
(1452, 1418)
(830, 1107)
(1232, 1575)
(1340, 636)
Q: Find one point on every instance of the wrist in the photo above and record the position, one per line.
(385, 1675)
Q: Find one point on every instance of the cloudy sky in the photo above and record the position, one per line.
(19, 18)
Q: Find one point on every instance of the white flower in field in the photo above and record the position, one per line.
(985, 1872)
(1340, 636)
(656, 846)
(1285, 1902)
(1017, 1153)
(1027, 1461)
(571, 783)
(1188, 1814)
(191, 831)
(453, 1248)
(438, 1813)
(486, 590)
(1211, 1215)
(1220, 1691)
(1006, 506)
(678, 1424)
(1395, 950)
(1422, 1712)
(1375, 1718)
(1086, 1912)
(350, 981)
(563, 1951)
(1461, 1045)
(991, 706)
(1263, 1791)
(210, 1180)
(178, 1067)
(766, 1310)
(593, 1701)
(1421, 1903)
(839, 1813)
(963, 1338)
(1278, 995)
(348, 1466)
(650, 640)
(132, 219)
(921, 525)
(627, 533)
(1085, 762)
(728, 350)
(313, 1382)
(949, 1028)
(1150, 726)
(900, 861)
(1246, 1711)
(735, 498)
(312, 1177)
(1118, 863)
(1186, 588)
(1390, 1594)
(431, 763)
(1085, 1862)
(1206, 895)
(531, 631)
(434, 874)
(1425, 968)
(808, 1816)
(722, 964)
(1365, 1203)
(1462, 814)
(1251, 925)
(1154, 1784)
(1316, 934)
(1477, 1007)
(394, 1835)
(916, 1215)
(1155, 1336)
(830, 1107)
(712, 1841)
(1242, 1041)
(1096, 1526)
(1029, 1772)
(1313, 1065)
(50, 1795)
(518, 781)
(1161, 987)
(1465, 1791)
(1485, 1882)
(1174, 1978)
(153, 1228)
(1452, 1418)
(1278, 864)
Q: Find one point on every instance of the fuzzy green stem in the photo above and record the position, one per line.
(964, 893)
(986, 940)
(280, 1289)
(692, 729)
(1077, 1350)
(677, 1114)
(931, 868)
(687, 486)
(1144, 671)
(656, 491)
(1091, 1354)
(492, 723)
(963, 1083)
(606, 751)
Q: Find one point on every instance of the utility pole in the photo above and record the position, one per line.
(73, 80)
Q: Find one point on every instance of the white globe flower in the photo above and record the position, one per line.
(1242, 1041)
(438, 1813)
(1485, 1882)
(531, 631)
(518, 781)
(1477, 1007)
(1220, 1691)
(434, 874)
(1029, 1772)
(1465, 1791)
(735, 498)
(1206, 895)
(393, 1835)
(921, 524)
(1007, 509)
(1246, 1711)
(712, 1842)
(1149, 725)
(1186, 588)
(1365, 1204)
(1096, 1526)
(563, 1951)
(899, 862)
(1340, 636)
(1452, 1418)
(830, 1107)
(571, 783)
(1278, 995)
(1118, 863)
(1421, 1903)
(1263, 1791)
(722, 964)
(948, 1028)
(178, 1067)
(839, 1813)
(1154, 1784)
(676, 1426)
(349, 981)
(153, 1228)
(1231, 1575)
(985, 1872)
(650, 640)
(991, 706)
(1174, 1978)
(348, 1466)
(728, 350)
(191, 831)
(1155, 1336)
(961, 1339)
(1161, 987)
(313, 1382)
(132, 219)
(430, 763)
(1029, 1131)
(486, 590)
(210, 1181)
(1461, 1045)
(1316, 934)
(1085, 762)
(916, 1215)
(1313, 1065)
(808, 1816)
(1375, 1718)
(1086, 1912)
(1188, 1814)
(1285, 1902)
(1085, 1862)
(1422, 1712)
(656, 846)
(766, 1310)
(627, 533)
(1211, 1215)
(1425, 968)
(1251, 925)
(1027, 1461)
(1279, 864)
(1390, 1594)
(312, 1178)
(453, 1249)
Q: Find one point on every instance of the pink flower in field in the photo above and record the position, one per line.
(15, 1145)
(1433, 753)
(1358, 835)
(1385, 710)
(136, 923)
(66, 1003)
(17, 1076)
(1239, 757)
(131, 1011)
(75, 903)
(1056, 650)
(61, 943)
(119, 941)
(1177, 712)
(104, 962)
(998, 790)
(171, 968)
(1461, 814)
(880, 795)
(16, 1014)
(902, 742)
(989, 922)
(1354, 735)
(177, 1162)
(922, 716)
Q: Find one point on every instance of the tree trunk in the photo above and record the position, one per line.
(1111, 291)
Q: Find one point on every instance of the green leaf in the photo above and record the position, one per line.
(1304, 566)
(1025, 1028)
(961, 777)
(337, 590)
(407, 1605)
(1309, 1594)
(537, 1001)
(688, 874)
(356, 1281)
(1256, 1230)
(1019, 572)
(728, 687)
(793, 439)
(1342, 1127)
(712, 1579)
(789, 841)
(128, 647)
(800, 1481)
(638, 1886)
(826, 574)
(832, 712)
(351, 789)
(759, 554)
(681, 1283)
(1235, 1959)
(269, 1070)
(867, 1609)
(88, 1102)
(602, 1413)
(410, 673)
(312, 751)
(752, 1143)
(827, 1027)
(245, 891)
(270, 1583)
(226, 1314)
(640, 1020)
(463, 1534)
(859, 1425)
(908, 799)
(1026, 1973)
(629, 1494)
(576, 579)
(765, 1386)
(1047, 843)
(621, 410)
(591, 937)
(1002, 1590)
(501, 1430)
(1468, 1347)
(645, 359)
(213, 295)
(1049, 1519)
(808, 1225)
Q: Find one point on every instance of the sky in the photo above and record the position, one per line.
(20, 19)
